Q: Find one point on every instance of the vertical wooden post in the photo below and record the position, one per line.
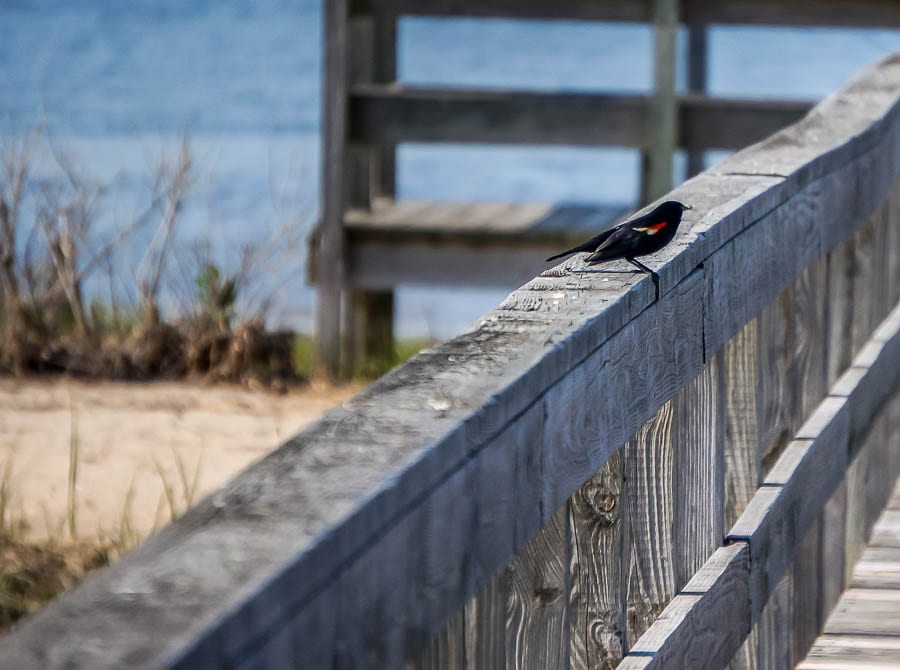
(696, 82)
(370, 332)
(662, 121)
(330, 252)
(369, 319)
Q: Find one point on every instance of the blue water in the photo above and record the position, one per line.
(114, 82)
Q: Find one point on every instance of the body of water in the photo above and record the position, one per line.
(113, 82)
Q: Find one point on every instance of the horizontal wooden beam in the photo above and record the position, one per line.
(837, 13)
(395, 114)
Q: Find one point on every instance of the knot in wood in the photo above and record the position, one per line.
(546, 595)
(602, 502)
(606, 640)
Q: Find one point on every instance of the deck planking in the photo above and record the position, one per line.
(863, 631)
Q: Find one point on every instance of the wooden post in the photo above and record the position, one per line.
(696, 82)
(662, 129)
(331, 257)
(370, 333)
(369, 319)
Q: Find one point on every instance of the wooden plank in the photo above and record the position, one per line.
(864, 280)
(537, 623)
(649, 549)
(705, 624)
(404, 113)
(596, 528)
(841, 270)
(370, 333)
(485, 621)
(865, 13)
(806, 599)
(697, 71)
(742, 458)
(866, 612)
(558, 224)
(873, 379)
(807, 363)
(661, 130)
(773, 418)
(445, 651)
(878, 568)
(773, 627)
(330, 254)
(834, 539)
(783, 510)
(698, 431)
(852, 652)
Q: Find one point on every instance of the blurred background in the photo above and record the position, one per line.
(115, 86)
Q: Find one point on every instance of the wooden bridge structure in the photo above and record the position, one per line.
(604, 471)
(369, 242)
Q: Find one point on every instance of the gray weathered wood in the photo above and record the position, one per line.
(661, 129)
(597, 635)
(369, 333)
(846, 13)
(807, 619)
(698, 431)
(742, 457)
(649, 549)
(705, 624)
(697, 72)
(537, 620)
(330, 255)
(405, 113)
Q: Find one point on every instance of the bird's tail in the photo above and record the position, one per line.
(587, 246)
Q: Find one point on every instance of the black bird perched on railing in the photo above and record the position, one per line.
(641, 236)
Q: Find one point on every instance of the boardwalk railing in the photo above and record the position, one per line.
(477, 508)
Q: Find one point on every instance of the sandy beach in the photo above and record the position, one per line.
(142, 451)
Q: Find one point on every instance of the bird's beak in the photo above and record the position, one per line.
(686, 206)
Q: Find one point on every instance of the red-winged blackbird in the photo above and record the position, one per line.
(641, 236)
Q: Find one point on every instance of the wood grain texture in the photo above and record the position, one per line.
(596, 528)
(698, 430)
(806, 600)
(834, 539)
(742, 457)
(485, 621)
(773, 627)
(807, 360)
(650, 551)
(537, 621)
(704, 625)
(841, 270)
(445, 651)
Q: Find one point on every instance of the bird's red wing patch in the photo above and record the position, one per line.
(656, 227)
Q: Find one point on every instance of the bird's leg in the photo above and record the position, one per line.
(636, 263)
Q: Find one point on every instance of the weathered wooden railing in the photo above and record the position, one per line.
(441, 518)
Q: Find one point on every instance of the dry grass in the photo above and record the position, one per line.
(34, 573)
